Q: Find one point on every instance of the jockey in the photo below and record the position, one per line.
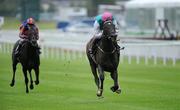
(98, 29)
(24, 31)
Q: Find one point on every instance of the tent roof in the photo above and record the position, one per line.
(152, 3)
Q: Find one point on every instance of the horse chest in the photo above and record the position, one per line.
(108, 61)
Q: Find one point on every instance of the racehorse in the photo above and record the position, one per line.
(106, 58)
(29, 59)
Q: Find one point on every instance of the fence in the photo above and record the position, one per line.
(154, 51)
(47, 52)
(73, 47)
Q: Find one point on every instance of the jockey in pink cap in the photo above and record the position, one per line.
(98, 29)
(107, 16)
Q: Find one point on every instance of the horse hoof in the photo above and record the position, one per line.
(12, 84)
(114, 88)
(100, 97)
(31, 87)
(27, 91)
(99, 93)
(36, 82)
(118, 91)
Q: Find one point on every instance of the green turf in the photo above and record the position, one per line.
(69, 85)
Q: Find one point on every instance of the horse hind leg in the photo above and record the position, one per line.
(26, 79)
(14, 71)
(115, 88)
(37, 75)
(94, 72)
(31, 80)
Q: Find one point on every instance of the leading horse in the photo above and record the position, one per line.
(29, 59)
(106, 58)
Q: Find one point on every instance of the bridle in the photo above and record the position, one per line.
(107, 37)
(105, 51)
(32, 37)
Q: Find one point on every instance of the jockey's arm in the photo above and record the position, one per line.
(97, 31)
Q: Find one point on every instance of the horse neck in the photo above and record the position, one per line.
(32, 51)
(29, 50)
(106, 44)
(29, 58)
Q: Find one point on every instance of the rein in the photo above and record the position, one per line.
(105, 51)
(109, 23)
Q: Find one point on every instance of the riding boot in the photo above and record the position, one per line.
(117, 47)
(38, 50)
(91, 52)
(94, 42)
(92, 47)
(18, 48)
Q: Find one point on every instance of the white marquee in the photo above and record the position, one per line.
(152, 3)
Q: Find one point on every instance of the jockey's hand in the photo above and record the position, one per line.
(23, 36)
(114, 35)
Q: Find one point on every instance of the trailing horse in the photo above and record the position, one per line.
(29, 59)
(106, 58)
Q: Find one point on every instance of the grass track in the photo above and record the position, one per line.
(66, 85)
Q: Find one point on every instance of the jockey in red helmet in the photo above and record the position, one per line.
(24, 31)
(25, 27)
(98, 29)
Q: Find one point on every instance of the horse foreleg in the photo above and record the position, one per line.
(26, 79)
(94, 71)
(115, 88)
(31, 80)
(101, 80)
(14, 71)
(37, 75)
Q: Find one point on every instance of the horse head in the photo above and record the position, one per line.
(109, 31)
(32, 36)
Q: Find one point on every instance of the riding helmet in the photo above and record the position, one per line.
(107, 16)
(30, 21)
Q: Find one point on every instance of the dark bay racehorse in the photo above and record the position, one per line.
(29, 59)
(106, 58)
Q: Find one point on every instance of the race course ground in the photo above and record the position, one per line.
(69, 85)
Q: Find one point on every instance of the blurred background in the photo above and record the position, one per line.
(147, 28)
(149, 65)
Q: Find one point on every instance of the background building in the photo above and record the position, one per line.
(143, 15)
